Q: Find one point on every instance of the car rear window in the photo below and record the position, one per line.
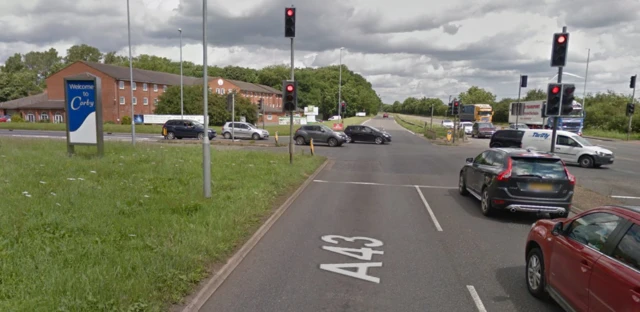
(545, 167)
(486, 125)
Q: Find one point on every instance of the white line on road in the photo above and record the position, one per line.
(394, 120)
(383, 184)
(426, 205)
(476, 298)
(624, 197)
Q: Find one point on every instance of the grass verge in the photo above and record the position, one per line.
(130, 231)
(155, 129)
(436, 133)
(610, 134)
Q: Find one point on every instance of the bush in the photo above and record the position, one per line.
(126, 120)
(16, 118)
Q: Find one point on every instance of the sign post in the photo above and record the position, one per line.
(83, 109)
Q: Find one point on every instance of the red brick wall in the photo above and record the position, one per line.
(270, 100)
(38, 114)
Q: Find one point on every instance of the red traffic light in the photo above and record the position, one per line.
(289, 88)
(562, 39)
(289, 12)
(555, 90)
(455, 103)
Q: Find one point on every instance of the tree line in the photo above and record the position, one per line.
(24, 74)
(605, 110)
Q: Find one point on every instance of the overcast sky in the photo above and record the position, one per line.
(403, 47)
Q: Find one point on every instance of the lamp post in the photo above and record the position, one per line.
(206, 147)
(181, 79)
(133, 123)
(340, 88)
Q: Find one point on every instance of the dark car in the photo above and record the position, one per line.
(385, 115)
(319, 134)
(362, 133)
(507, 138)
(482, 130)
(178, 129)
(516, 179)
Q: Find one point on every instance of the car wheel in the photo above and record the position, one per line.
(333, 142)
(201, 136)
(255, 137)
(485, 203)
(300, 141)
(536, 283)
(462, 186)
(586, 161)
(379, 140)
(171, 135)
(227, 135)
(473, 135)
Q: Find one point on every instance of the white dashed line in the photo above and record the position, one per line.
(624, 197)
(383, 184)
(426, 205)
(476, 298)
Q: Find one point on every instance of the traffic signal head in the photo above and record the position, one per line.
(567, 98)
(560, 49)
(289, 22)
(260, 103)
(632, 84)
(631, 108)
(344, 104)
(553, 107)
(230, 101)
(290, 95)
(456, 107)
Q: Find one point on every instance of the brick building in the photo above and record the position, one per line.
(116, 93)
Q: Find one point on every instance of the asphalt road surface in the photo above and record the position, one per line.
(431, 249)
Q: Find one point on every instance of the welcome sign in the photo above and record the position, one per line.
(84, 111)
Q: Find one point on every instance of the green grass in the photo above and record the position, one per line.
(130, 231)
(411, 124)
(154, 129)
(610, 134)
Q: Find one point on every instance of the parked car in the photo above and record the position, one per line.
(447, 123)
(5, 118)
(483, 130)
(362, 133)
(385, 115)
(590, 262)
(319, 134)
(467, 126)
(243, 130)
(515, 179)
(178, 129)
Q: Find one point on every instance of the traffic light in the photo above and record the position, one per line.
(560, 49)
(553, 100)
(631, 107)
(230, 101)
(543, 114)
(290, 93)
(456, 107)
(344, 105)
(632, 84)
(567, 98)
(289, 22)
(523, 81)
(260, 103)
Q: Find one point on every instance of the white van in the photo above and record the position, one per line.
(570, 147)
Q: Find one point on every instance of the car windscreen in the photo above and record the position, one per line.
(548, 168)
(582, 140)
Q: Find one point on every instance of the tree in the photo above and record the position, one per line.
(535, 95)
(476, 95)
(83, 52)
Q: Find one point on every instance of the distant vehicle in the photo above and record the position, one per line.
(319, 134)
(518, 180)
(482, 130)
(362, 133)
(532, 117)
(590, 262)
(507, 138)
(476, 113)
(385, 115)
(361, 114)
(571, 147)
(447, 123)
(520, 126)
(178, 129)
(334, 118)
(467, 126)
(245, 130)
(5, 118)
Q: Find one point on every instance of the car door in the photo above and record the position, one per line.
(354, 133)
(367, 134)
(575, 252)
(473, 173)
(180, 129)
(567, 148)
(615, 280)
(315, 132)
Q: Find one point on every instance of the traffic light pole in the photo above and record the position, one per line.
(233, 117)
(518, 103)
(291, 112)
(633, 96)
(554, 131)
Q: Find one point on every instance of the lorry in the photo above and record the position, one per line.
(476, 113)
(531, 116)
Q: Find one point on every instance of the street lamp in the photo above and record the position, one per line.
(133, 124)
(206, 147)
(340, 87)
(181, 79)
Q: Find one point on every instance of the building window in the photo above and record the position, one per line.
(135, 85)
(122, 100)
(145, 101)
(155, 101)
(44, 116)
(134, 101)
(230, 90)
(58, 118)
(31, 117)
(121, 83)
(164, 88)
(155, 87)
(144, 87)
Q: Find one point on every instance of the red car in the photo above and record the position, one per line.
(385, 115)
(590, 262)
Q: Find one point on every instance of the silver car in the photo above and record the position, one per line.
(244, 130)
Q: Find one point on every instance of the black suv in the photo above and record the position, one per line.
(319, 134)
(362, 133)
(178, 129)
(518, 180)
(507, 138)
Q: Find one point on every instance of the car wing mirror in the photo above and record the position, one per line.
(469, 160)
(557, 229)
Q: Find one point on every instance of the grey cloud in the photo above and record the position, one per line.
(450, 29)
(597, 14)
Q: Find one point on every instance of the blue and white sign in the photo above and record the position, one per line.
(81, 111)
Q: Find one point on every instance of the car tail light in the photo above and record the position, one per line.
(506, 174)
(298, 130)
(572, 178)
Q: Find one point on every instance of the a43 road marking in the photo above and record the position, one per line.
(365, 253)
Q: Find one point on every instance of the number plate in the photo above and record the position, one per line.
(540, 187)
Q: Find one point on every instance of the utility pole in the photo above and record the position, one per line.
(431, 123)
(181, 80)
(554, 131)
(523, 84)
(133, 123)
(586, 73)
(633, 96)
(339, 88)
(206, 146)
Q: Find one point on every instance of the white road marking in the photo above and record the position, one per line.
(476, 298)
(383, 184)
(366, 254)
(426, 205)
(624, 197)
(394, 120)
(361, 273)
